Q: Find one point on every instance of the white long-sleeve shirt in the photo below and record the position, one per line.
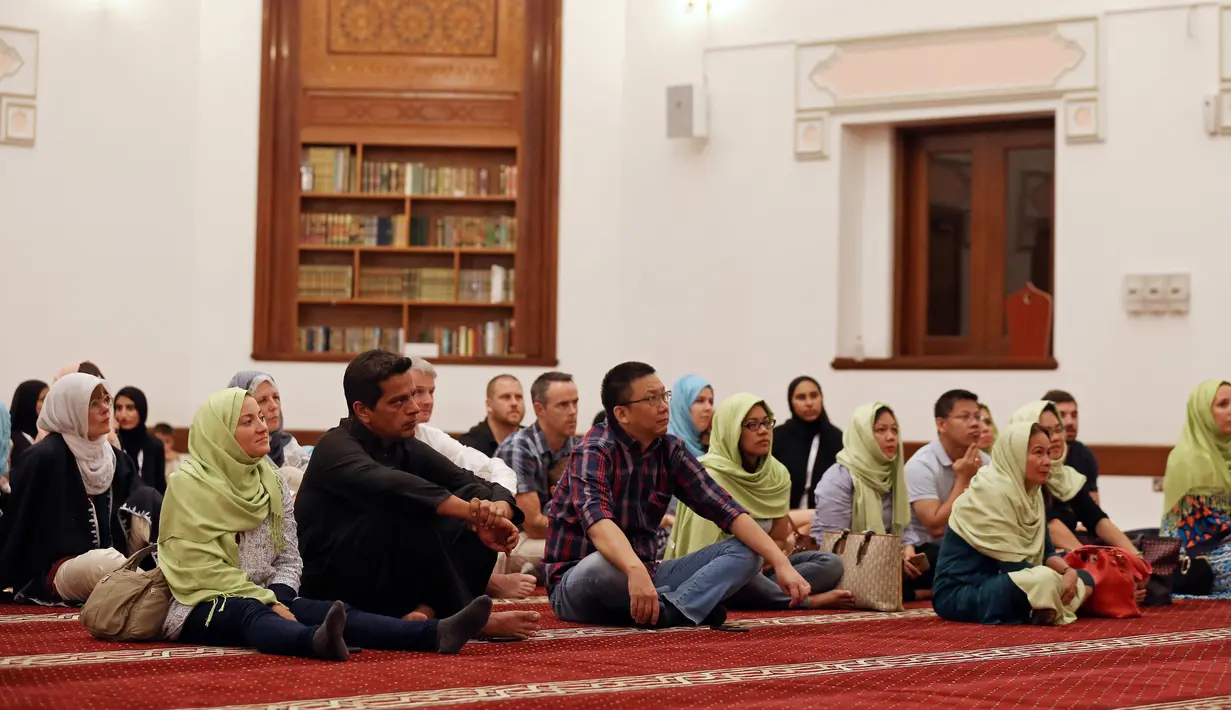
(473, 460)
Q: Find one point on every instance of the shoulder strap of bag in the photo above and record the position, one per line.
(839, 545)
(135, 561)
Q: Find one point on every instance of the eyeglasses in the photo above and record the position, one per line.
(103, 404)
(964, 417)
(653, 400)
(753, 425)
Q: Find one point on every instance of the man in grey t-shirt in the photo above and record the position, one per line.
(938, 473)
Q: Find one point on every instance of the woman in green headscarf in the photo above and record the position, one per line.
(739, 460)
(1066, 495)
(866, 488)
(1197, 485)
(997, 564)
(229, 551)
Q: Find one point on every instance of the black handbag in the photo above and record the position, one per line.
(1163, 554)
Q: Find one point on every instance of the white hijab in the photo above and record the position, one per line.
(66, 412)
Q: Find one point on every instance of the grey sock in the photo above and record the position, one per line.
(327, 642)
(453, 633)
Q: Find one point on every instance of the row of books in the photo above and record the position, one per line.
(353, 229)
(491, 285)
(323, 339)
(490, 338)
(466, 232)
(419, 284)
(448, 181)
(328, 170)
(333, 282)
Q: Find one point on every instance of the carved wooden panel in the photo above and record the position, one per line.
(454, 28)
(459, 112)
(423, 45)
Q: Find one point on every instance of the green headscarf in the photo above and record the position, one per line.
(995, 431)
(1004, 517)
(765, 493)
(999, 514)
(1201, 461)
(873, 476)
(1064, 482)
(216, 493)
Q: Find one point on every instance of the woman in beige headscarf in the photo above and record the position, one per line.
(997, 564)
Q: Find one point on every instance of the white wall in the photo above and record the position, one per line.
(720, 258)
(144, 182)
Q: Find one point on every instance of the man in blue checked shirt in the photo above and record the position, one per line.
(600, 561)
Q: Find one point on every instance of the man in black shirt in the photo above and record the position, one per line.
(1079, 457)
(389, 524)
(506, 407)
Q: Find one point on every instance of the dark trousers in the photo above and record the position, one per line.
(249, 623)
(923, 581)
(393, 565)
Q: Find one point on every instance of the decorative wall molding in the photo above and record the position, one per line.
(18, 86)
(812, 136)
(983, 65)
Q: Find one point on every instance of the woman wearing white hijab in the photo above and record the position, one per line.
(79, 508)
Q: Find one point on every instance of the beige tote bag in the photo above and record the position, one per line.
(871, 567)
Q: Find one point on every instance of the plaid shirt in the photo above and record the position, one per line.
(531, 458)
(611, 478)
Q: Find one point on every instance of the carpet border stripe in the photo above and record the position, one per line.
(746, 674)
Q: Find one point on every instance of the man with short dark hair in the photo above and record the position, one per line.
(601, 562)
(935, 476)
(388, 523)
(538, 455)
(1079, 457)
(505, 409)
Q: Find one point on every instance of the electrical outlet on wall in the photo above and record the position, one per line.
(1155, 294)
(1158, 484)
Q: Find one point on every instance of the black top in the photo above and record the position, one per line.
(51, 518)
(1081, 458)
(481, 438)
(352, 474)
(145, 451)
(1080, 509)
(793, 443)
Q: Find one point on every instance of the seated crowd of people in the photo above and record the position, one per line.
(673, 508)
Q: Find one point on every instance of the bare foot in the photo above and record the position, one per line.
(835, 599)
(422, 613)
(510, 586)
(922, 595)
(511, 624)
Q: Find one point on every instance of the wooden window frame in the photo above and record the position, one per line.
(278, 202)
(986, 348)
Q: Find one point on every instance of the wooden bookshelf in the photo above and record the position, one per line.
(408, 193)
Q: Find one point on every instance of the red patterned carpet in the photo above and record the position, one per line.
(850, 660)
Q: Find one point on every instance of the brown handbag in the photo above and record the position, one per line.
(129, 604)
(871, 567)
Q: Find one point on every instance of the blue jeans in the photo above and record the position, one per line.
(822, 570)
(594, 591)
(244, 622)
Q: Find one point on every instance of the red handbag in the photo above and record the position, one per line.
(1116, 576)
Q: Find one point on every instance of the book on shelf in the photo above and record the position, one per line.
(324, 339)
(493, 338)
(327, 170)
(396, 178)
(412, 284)
(492, 285)
(354, 229)
(332, 282)
(497, 233)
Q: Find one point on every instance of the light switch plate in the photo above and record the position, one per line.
(1179, 293)
(1134, 293)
